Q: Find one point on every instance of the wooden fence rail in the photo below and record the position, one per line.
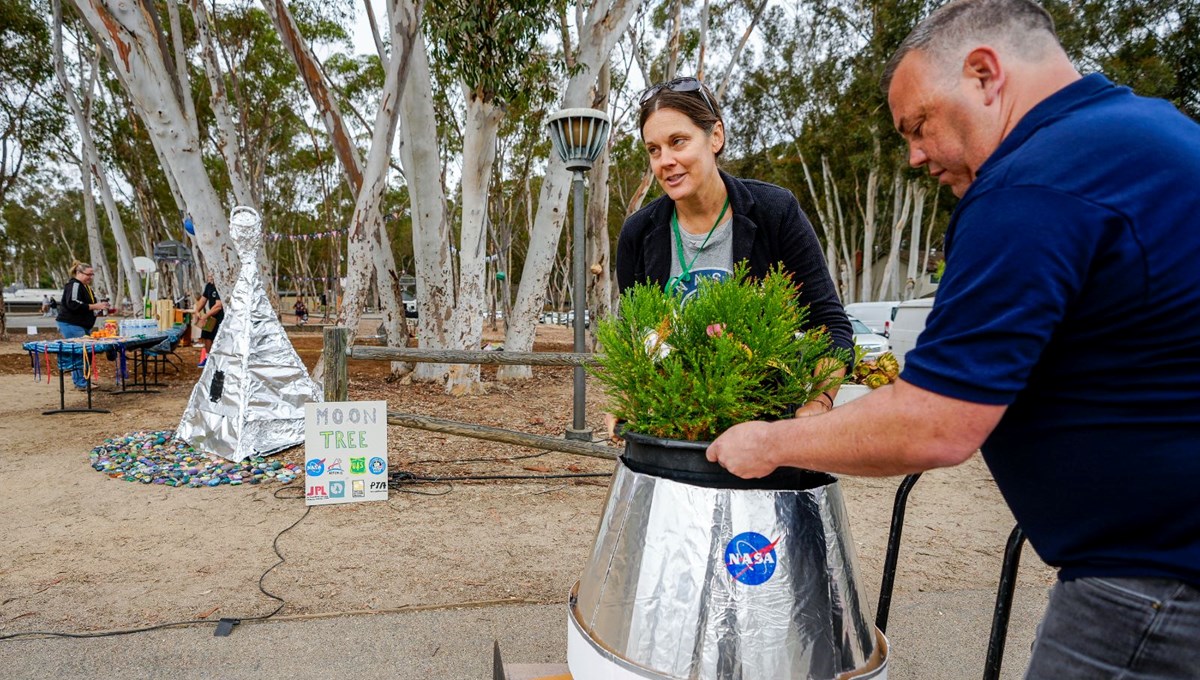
(337, 352)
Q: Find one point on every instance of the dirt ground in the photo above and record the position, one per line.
(84, 552)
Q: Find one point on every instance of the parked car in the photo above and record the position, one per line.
(870, 344)
(877, 315)
(570, 320)
(908, 324)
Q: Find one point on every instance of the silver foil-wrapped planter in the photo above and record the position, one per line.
(698, 574)
(251, 395)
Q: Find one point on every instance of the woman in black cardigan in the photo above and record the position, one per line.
(708, 220)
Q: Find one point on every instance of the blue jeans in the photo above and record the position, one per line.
(1119, 628)
(72, 362)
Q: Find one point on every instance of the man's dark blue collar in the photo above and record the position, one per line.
(1046, 111)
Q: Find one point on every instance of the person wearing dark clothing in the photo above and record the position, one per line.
(208, 314)
(709, 221)
(1061, 342)
(76, 317)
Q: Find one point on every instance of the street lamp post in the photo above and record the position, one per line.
(578, 135)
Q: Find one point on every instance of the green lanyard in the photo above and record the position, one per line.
(685, 268)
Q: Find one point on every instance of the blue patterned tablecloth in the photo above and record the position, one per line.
(78, 346)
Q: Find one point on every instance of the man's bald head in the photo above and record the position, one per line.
(1021, 27)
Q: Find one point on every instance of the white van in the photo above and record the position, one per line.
(908, 324)
(877, 315)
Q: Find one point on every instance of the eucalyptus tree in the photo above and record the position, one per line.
(368, 244)
(136, 46)
(491, 51)
(1153, 46)
(91, 167)
(600, 25)
(31, 117)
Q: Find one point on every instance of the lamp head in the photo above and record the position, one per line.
(578, 135)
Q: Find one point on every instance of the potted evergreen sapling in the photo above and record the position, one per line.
(678, 373)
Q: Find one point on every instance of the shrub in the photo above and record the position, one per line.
(732, 353)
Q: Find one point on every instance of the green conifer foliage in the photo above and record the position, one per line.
(734, 352)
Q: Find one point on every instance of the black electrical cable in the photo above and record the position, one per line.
(501, 459)
(191, 622)
(420, 478)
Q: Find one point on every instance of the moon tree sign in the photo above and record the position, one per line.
(345, 452)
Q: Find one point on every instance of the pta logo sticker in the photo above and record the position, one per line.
(750, 558)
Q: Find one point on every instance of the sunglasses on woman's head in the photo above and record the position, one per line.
(684, 84)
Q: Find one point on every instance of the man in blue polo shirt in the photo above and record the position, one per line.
(1065, 339)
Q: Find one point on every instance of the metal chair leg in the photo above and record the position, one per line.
(1004, 598)
(893, 551)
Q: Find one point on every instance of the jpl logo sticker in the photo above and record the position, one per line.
(750, 558)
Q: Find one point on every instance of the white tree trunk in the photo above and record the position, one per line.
(869, 220)
(901, 203)
(598, 257)
(929, 230)
(824, 217)
(605, 23)
(91, 169)
(431, 231)
(327, 108)
(479, 154)
(369, 247)
(103, 280)
(833, 206)
(914, 242)
(226, 131)
(133, 46)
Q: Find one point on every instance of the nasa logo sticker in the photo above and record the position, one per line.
(315, 467)
(750, 558)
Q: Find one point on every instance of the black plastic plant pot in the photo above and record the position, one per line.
(684, 461)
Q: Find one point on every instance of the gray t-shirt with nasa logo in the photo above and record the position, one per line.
(715, 260)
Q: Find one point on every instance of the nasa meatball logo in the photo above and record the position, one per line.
(315, 467)
(750, 558)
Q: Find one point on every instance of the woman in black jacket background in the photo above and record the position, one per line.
(77, 316)
(708, 220)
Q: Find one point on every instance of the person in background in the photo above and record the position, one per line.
(208, 314)
(1062, 339)
(301, 311)
(708, 221)
(77, 317)
(45, 305)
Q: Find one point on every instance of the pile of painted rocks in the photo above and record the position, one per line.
(157, 457)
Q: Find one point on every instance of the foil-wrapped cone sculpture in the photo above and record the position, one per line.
(251, 395)
(698, 574)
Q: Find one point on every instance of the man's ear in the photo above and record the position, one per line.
(983, 66)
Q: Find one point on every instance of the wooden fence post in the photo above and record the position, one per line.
(337, 379)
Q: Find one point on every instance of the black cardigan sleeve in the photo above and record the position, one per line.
(807, 264)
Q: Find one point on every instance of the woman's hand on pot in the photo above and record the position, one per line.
(610, 427)
(745, 450)
(813, 408)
